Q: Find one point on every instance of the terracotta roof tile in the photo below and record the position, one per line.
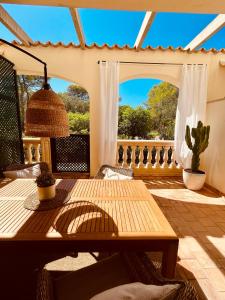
(127, 47)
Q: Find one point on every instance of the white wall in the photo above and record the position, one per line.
(215, 154)
(76, 65)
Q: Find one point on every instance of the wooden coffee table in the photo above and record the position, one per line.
(101, 215)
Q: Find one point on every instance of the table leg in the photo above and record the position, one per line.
(169, 259)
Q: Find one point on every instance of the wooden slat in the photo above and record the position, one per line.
(145, 26)
(11, 24)
(190, 6)
(77, 25)
(97, 209)
(207, 32)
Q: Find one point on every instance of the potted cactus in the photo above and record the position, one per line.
(45, 185)
(194, 178)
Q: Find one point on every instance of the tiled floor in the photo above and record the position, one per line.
(198, 218)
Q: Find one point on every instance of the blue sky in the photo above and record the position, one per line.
(55, 24)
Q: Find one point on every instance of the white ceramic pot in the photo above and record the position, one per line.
(193, 181)
(46, 193)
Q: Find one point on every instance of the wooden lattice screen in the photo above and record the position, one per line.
(71, 154)
(11, 148)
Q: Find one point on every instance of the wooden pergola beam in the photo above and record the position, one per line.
(78, 26)
(207, 32)
(11, 24)
(191, 6)
(145, 26)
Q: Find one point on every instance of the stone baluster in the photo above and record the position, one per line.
(37, 152)
(132, 156)
(29, 153)
(165, 163)
(141, 157)
(173, 164)
(157, 158)
(125, 155)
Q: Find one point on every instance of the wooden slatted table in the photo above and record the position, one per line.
(101, 215)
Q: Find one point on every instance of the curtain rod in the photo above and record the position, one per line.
(150, 63)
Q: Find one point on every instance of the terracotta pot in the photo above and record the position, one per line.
(194, 180)
(46, 193)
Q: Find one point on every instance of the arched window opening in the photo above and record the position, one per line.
(147, 109)
(75, 98)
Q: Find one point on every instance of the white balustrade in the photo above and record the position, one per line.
(153, 157)
(37, 150)
(31, 148)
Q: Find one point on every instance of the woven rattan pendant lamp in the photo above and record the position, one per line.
(46, 114)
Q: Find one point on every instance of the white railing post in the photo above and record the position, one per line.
(132, 157)
(165, 164)
(157, 157)
(29, 153)
(141, 165)
(125, 156)
(37, 152)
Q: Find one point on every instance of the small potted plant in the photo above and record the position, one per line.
(46, 185)
(194, 178)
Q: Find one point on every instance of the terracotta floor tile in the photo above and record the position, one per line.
(217, 276)
(199, 220)
(208, 289)
(192, 269)
(206, 221)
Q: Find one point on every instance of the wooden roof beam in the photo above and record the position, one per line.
(78, 26)
(191, 6)
(11, 24)
(207, 32)
(145, 26)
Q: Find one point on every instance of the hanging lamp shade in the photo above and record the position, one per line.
(46, 115)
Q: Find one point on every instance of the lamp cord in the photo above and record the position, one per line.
(45, 85)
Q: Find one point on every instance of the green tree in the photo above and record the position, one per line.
(124, 123)
(76, 99)
(140, 122)
(74, 104)
(77, 91)
(162, 104)
(134, 122)
(27, 84)
(78, 123)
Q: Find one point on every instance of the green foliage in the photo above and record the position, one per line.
(153, 134)
(162, 104)
(76, 91)
(156, 119)
(124, 122)
(74, 104)
(78, 123)
(76, 99)
(45, 179)
(27, 84)
(133, 122)
(201, 137)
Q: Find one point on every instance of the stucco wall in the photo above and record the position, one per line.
(81, 66)
(215, 154)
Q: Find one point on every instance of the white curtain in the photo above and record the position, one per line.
(109, 99)
(191, 108)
